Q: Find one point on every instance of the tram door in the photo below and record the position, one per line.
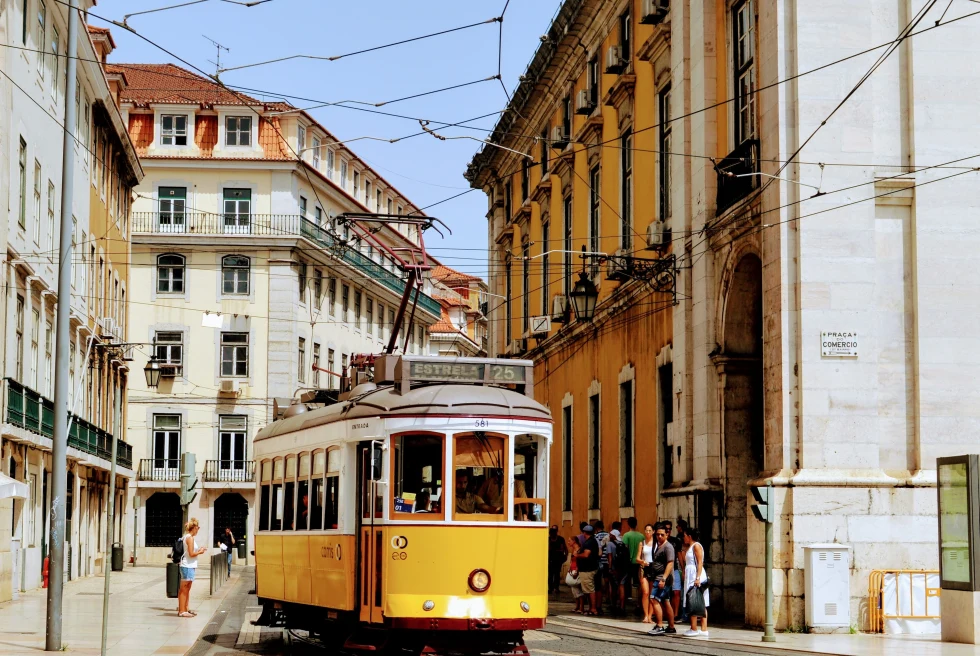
(370, 532)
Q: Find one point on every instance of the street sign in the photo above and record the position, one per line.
(763, 509)
(839, 344)
(540, 325)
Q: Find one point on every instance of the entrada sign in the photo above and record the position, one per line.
(840, 344)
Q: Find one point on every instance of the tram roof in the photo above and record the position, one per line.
(437, 399)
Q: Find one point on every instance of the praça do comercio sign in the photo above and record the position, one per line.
(838, 344)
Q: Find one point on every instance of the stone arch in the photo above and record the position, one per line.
(738, 361)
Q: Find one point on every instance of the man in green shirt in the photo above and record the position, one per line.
(633, 539)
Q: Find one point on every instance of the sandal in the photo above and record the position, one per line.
(184, 614)
(192, 613)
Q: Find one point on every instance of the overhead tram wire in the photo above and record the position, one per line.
(721, 103)
(892, 47)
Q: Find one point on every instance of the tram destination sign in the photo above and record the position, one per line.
(466, 372)
(839, 344)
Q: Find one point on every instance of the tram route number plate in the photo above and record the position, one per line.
(467, 372)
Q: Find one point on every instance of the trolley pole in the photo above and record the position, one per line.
(110, 524)
(59, 456)
(764, 511)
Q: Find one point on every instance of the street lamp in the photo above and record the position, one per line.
(584, 297)
(152, 372)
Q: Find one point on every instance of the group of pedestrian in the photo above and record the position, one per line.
(667, 570)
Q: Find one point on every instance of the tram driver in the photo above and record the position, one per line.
(466, 501)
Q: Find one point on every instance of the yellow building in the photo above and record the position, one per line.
(585, 115)
(245, 284)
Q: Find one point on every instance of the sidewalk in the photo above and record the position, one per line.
(859, 644)
(142, 620)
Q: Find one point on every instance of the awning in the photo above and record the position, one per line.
(10, 487)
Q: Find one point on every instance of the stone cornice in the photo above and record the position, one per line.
(621, 90)
(564, 161)
(656, 44)
(591, 131)
(542, 192)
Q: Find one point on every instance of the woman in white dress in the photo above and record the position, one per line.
(694, 574)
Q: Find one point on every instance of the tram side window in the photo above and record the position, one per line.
(266, 479)
(333, 489)
(479, 467)
(289, 501)
(529, 479)
(418, 472)
(277, 500)
(316, 499)
(303, 493)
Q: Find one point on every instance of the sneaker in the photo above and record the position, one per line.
(670, 630)
(691, 633)
(656, 631)
(704, 634)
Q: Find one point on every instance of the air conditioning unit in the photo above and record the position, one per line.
(519, 346)
(110, 330)
(169, 370)
(583, 102)
(618, 266)
(654, 11)
(656, 235)
(559, 308)
(614, 60)
(558, 137)
(228, 387)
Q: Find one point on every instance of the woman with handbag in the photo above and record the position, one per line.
(695, 585)
(571, 578)
(644, 558)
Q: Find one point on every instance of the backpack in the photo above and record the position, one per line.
(621, 559)
(177, 553)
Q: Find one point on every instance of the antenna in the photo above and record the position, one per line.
(217, 63)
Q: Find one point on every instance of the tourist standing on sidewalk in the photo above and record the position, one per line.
(675, 542)
(620, 569)
(188, 567)
(645, 560)
(602, 574)
(227, 542)
(557, 555)
(588, 565)
(632, 539)
(694, 575)
(662, 583)
(572, 578)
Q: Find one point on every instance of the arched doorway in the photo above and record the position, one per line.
(740, 369)
(231, 510)
(163, 519)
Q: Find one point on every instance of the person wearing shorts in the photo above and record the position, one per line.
(588, 565)
(662, 584)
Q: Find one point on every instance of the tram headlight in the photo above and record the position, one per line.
(428, 605)
(526, 607)
(479, 580)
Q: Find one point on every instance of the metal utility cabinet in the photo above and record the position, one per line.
(828, 589)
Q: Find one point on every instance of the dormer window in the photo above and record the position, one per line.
(173, 130)
(238, 131)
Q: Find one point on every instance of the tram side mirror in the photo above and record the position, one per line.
(376, 460)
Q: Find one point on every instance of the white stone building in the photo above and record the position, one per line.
(242, 283)
(32, 113)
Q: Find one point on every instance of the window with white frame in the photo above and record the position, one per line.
(238, 130)
(330, 164)
(166, 443)
(234, 355)
(42, 20)
(343, 174)
(37, 202)
(301, 360)
(318, 216)
(234, 274)
(168, 349)
(316, 365)
(173, 130)
(332, 296)
(743, 19)
(22, 166)
(369, 312)
(35, 335)
(48, 368)
(232, 455)
(318, 289)
(357, 308)
(331, 363)
(316, 153)
(55, 68)
(170, 274)
(49, 237)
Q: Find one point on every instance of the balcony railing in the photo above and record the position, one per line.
(159, 469)
(229, 471)
(31, 411)
(736, 178)
(283, 225)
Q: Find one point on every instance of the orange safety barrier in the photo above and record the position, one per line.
(877, 613)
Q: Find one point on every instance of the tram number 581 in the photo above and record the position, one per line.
(481, 423)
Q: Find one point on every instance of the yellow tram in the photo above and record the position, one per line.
(412, 511)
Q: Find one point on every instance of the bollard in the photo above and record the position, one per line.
(173, 580)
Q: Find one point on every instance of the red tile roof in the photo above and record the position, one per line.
(444, 325)
(102, 31)
(449, 276)
(141, 132)
(167, 83)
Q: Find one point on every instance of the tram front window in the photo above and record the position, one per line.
(417, 475)
(479, 472)
(530, 478)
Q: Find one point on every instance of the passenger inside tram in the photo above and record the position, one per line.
(466, 501)
(422, 502)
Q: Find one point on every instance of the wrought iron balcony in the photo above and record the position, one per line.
(159, 470)
(282, 225)
(736, 175)
(229, 471)
(31, 411)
